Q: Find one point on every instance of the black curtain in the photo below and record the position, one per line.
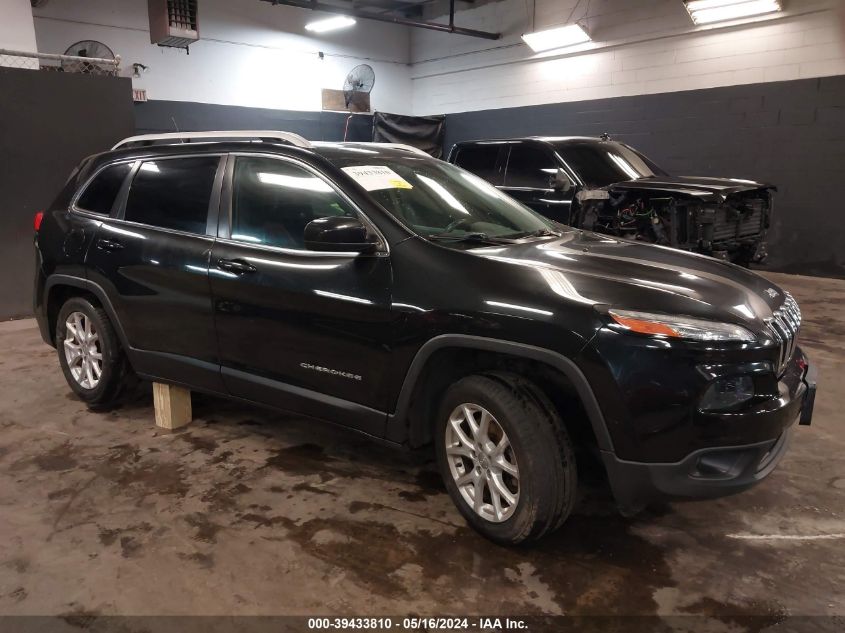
(48, 122)
(424, 132)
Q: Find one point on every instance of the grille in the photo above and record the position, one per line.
(784, 325)
(731, 224)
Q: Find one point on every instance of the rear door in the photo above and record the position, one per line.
(97, 201)
(151, 258)
(300, 330)
(528, 178)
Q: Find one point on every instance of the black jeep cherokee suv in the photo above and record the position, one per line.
(609, 187)
(406, 298)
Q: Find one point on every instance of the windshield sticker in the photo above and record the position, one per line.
(375, 177)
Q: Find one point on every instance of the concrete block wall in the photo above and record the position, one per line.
(250, 54)
(254, 54)
(791, 134)
(17, 33)
(640, 47)
(158, 116)
(16, 29)
(762, 100)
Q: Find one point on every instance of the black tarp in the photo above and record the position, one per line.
(49, 121)
(424, 132)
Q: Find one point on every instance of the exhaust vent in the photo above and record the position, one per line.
(173, 23)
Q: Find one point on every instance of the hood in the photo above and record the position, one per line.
(593, 269)
(706, 189)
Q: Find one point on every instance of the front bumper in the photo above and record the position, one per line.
(716, 471)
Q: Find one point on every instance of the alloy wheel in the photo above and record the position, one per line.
(83, 353)
(482, 462)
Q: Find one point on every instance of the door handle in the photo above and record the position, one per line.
(237, 266)
(109, 245)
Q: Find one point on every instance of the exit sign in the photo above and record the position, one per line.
(139, 94)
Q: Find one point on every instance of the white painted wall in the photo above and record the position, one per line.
(250, 52)
(16, 29)
(254, 54)
(640, 47)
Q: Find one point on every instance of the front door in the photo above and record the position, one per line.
(300, 330)
(484, 159)
(151, 258)
(528, 178)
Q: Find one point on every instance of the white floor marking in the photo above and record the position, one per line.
(786, 537)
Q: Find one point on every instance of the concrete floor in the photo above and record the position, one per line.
(252, 512)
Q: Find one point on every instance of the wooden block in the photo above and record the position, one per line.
(172, 405)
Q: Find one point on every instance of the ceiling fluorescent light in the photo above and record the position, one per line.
(707, 11)
(329, 24)
(563, 36)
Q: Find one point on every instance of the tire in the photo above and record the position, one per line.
(115, 375)
(743, 256)
(544, 492)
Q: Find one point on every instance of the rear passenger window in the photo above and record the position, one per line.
(480, 160)
(173, 193)
(99, 196)
(273, 200)
(530, 167)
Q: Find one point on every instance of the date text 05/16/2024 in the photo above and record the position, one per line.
(485, 624)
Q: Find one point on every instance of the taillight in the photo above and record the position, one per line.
(39, 216)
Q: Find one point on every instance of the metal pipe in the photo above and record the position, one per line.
(315, 5)
(61, 58)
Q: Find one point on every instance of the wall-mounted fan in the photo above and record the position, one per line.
(93, 49)
(356, 89)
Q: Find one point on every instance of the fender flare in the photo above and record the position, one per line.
(59, 279)
(558, 361)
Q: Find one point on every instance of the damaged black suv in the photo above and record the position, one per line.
(609, 187)
(378, 288)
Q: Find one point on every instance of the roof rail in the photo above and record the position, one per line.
(173, 138)
(408, 148)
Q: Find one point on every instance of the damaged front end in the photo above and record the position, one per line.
(720, 218)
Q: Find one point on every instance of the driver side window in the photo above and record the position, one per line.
(273, 200)
(530, 168)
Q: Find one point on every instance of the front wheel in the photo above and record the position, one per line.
(505, 457)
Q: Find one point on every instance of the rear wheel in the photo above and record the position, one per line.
(505, 457)
(90, 355)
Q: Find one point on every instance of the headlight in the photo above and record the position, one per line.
(680, 326)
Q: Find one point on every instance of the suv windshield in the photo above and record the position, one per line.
(600, 164)
(438, 200)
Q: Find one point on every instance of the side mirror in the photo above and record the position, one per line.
(561, 181)
(339, 234)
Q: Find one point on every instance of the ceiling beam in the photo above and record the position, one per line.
(315, 5)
